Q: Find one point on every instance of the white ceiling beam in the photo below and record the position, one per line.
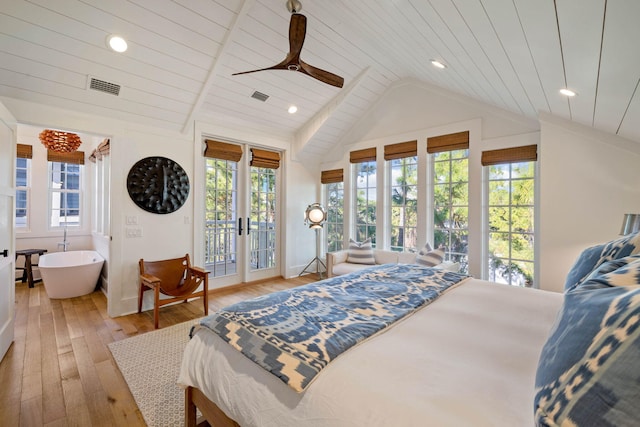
(311, 127)
(226, 43)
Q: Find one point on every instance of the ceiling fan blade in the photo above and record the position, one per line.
(297, 32)
(280, 66)
(322, 75)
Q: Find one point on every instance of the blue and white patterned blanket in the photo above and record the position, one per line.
(295, 333)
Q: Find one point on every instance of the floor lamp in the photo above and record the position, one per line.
(315, 216)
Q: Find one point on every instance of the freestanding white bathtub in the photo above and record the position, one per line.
(70, 274)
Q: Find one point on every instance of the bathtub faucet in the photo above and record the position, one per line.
(64, 242)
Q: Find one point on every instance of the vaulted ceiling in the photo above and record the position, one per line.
(512, 54)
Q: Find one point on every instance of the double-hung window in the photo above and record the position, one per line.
(402, 161)
(365, 203)
(450, 156)
(24, 153)
(65, 188)
(333, 182)
(511, 195)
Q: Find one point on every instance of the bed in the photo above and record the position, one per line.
(480, 354)
(468, 358)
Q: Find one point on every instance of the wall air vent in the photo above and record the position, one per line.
(260, 96)
(104, 86)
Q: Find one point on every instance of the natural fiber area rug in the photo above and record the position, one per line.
(150, 364)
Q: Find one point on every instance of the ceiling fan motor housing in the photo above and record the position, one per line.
(294, 6)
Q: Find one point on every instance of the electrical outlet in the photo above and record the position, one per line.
(131, 220)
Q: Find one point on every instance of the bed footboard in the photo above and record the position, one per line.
(194, 398)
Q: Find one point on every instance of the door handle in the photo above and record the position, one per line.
(248, 225)
(5, 253)
(239, 226)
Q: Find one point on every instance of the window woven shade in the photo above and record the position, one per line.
(264, 159)
(361, 156)
(222, 150)
(104, 147)
(331, 176)
(24, 151)
(527, 153)
(401, 150)
(75, 157)
(450, 142)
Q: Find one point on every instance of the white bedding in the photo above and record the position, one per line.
(467, 359)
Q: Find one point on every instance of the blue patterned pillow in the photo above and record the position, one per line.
(611, 266)
(589, 368)
(593, 257)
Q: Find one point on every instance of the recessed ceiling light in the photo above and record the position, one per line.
(292, 109)
(438, 64)
(567, 92)
(117, 43)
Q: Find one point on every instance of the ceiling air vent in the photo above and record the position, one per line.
(104, 86)
(260, 96)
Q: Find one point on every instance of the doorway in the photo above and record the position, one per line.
(241, 235)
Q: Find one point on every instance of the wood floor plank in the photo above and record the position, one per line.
(124, 409)
(31, 411)
(10, 411)
(52, 398)
(73, 326)
(59, 372)
(76, 406)
(63, 341)
(62, 422)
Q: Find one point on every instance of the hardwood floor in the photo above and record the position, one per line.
(59, 370)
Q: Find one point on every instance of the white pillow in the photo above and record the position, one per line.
(360, 253)
(429, 257)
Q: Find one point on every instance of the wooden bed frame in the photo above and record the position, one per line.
(194, 398)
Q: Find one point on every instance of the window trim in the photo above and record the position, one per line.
(409, 153)
(79, 191)
(536, 209)
(354, 202)
(27, 227)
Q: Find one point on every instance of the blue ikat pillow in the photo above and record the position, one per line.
(589, 368)
(591, 258)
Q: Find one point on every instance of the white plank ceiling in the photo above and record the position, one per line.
(513, 54)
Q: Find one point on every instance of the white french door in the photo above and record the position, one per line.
(241, 220)
(7, 242)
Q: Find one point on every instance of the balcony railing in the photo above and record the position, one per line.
(221, 250)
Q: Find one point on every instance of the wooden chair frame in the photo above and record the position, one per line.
(176, 278)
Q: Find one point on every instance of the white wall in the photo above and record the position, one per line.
(39, 234)
(588, 181)
(299, 188)
(163, 235)
(177, 233)
(410, 105)
(582, 196)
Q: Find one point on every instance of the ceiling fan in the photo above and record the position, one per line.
(297, 32)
